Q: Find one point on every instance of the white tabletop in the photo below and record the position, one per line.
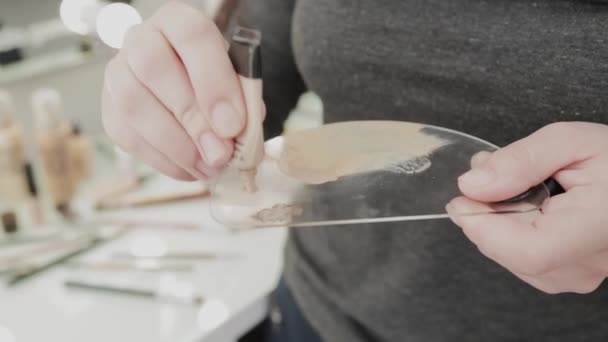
(236, 290)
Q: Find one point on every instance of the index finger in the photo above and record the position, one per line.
(202, 48)
(537, 243)
(525, 163)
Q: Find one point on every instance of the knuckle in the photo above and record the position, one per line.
(129, 144)
(146, 56)
(175, 8)
(518, 154)
(548, 288)
(487, 252)
(194, 25)
(125, 93)
(517, 157)
(481, 239)
(588, 286)
(126, 100)
(561, 128)
(120, 93)
(535, 264)
(195, 33)
(188, 158)
(191, 119)
(133, 35)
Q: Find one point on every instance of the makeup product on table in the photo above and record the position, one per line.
(69, 249)
(359, 172)
(152, 223)
(12, 179)
(133, 265)
(151, 200)
(246, 56)
(28, 271)
(190, 298)
(26, 239)
(175, 256)
(52, 134)
(25, 257)
(112, 189)
(10, 223)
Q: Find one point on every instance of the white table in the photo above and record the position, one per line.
(236, 290)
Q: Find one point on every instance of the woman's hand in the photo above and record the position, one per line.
(171, 97)
(564, 248)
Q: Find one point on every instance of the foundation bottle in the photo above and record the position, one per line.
(52, 134)
(10, 223)
(12, 179)
(81, 154)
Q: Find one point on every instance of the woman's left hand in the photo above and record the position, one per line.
(564, 247)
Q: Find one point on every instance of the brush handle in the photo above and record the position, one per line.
(551, 184)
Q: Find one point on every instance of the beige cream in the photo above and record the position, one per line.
(332, 151)
(52, 135)
(12, 178)
(81, 155)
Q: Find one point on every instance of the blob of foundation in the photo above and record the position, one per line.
(329, 152)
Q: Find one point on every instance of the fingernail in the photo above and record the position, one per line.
(478, 177)
(225, 120)
(214, 150)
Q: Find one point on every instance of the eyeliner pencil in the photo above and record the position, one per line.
(152, 200)
(26, 273)
(131, 291)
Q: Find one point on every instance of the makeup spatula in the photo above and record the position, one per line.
(344, 173)
(359, 172)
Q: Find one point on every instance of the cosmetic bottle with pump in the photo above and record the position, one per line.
(52, 135)
(12, 179)
(10, 224)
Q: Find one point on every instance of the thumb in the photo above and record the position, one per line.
(523, 164)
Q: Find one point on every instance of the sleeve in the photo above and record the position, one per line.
(283, 83)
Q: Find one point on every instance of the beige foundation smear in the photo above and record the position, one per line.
(332, 151)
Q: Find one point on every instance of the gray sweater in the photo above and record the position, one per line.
(497, 69)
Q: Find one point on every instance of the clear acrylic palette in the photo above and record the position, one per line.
(416, 188)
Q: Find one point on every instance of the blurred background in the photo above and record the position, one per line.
(43, 46)
(95, 246)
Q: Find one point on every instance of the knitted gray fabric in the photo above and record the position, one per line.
(497, 69)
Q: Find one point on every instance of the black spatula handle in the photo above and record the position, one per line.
(551, 184)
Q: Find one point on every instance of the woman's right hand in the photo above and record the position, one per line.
(171, 97)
